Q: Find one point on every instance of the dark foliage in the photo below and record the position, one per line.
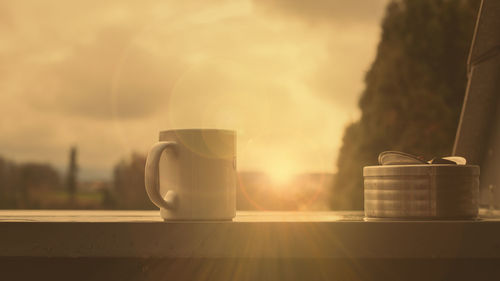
(128, 180)
(413, 91)
(21, 184)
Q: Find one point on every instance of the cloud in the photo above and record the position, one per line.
(345, 26)
(332, 79)
(5, 17)
(341, 12)
(110, 77)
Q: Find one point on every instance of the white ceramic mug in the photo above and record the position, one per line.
(191, 174)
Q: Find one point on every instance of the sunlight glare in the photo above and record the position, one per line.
(281, 174)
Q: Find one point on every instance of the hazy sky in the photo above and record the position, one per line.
(108, 75)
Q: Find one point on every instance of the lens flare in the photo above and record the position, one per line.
(281, 173)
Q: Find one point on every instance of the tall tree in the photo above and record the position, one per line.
(71, 177)
(413, 91)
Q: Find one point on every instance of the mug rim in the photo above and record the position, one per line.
(199, 130)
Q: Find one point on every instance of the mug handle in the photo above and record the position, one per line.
(151, 177)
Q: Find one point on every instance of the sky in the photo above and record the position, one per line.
(108, 75)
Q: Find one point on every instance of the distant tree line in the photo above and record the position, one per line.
(23, 185)
(128, 184)
(413, 91)
(41, 186)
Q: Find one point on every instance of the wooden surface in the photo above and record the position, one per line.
(154, 216)
(251, 235)
(138, 245)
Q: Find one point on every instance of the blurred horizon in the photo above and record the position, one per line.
(40, 186)
(106, 77)
(314, 90)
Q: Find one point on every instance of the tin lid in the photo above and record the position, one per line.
(420, 170)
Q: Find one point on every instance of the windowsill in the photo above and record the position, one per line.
(124, 216)
(142, 234)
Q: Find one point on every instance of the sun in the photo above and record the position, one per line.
(281, 174)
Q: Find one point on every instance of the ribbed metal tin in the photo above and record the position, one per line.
(421, 191)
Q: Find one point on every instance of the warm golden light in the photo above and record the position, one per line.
(281, 173)
(276, 74)
(281, 176)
